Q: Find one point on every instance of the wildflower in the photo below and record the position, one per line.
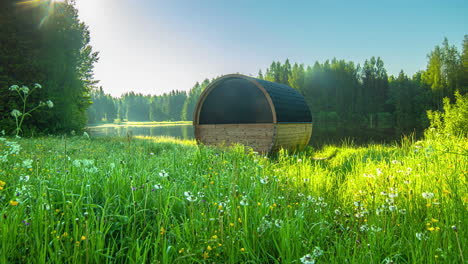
(25, 178)
(421, 236)
(50, 104)
(242, 249)
(27, 163)
(36, 85)
(25, 89)
(14, 88)
(190, 197)
(14, 203)
(392, 208)
(307, 259)
(379, 171)
(209, 248)
(364, 228)
(402, 211)
(201, 194)
(337, 212)
(158, 186)
(163, 174)
(162, 231)
(264, 180)
(2, 183)
(181, 250)
(16, 113)
(427, 195)
(83, 238)
(278, 223)
(393, 195)
(317, 252)
(244, 201)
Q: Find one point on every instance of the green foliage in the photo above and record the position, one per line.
(444, 73)
(454, 119)
(44, 41)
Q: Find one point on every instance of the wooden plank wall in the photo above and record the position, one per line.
(258, 136)
(292, 136)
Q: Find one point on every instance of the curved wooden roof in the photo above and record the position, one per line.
(286, 104)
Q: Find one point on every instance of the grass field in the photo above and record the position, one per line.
(161, 200)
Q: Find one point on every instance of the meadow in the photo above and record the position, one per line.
(161, 200)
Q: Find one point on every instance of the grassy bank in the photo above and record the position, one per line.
(140, 124)
(108, 200)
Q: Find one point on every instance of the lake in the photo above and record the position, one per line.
(153, 129)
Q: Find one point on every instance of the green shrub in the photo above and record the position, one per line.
(454, 119)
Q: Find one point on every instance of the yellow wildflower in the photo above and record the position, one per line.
(163, 231)
(242, 249)
(209, 248)
(83, 238)
(14, 203)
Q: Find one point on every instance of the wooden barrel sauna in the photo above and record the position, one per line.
(264, 115)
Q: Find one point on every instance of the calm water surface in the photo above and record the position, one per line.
(177, 131)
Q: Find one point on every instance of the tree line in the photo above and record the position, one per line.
(173, 106)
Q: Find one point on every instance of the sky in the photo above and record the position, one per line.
(155, 46)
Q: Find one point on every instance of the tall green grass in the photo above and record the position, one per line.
(116, 200)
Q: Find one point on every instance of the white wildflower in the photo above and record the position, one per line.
(14, 88)
(317, 252)
(307, 259)
(50, 104)
(278, 223)
(421, 236)
(190, 197)
(264, 180)
(36, 85)
(244, 201)
(163, 174)
(158, 186)
(364, 228)
(379, 171)
(16, 113)
(27, 163)
(427, 195)
(25, 89)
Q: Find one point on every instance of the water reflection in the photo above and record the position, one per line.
(177, 131)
